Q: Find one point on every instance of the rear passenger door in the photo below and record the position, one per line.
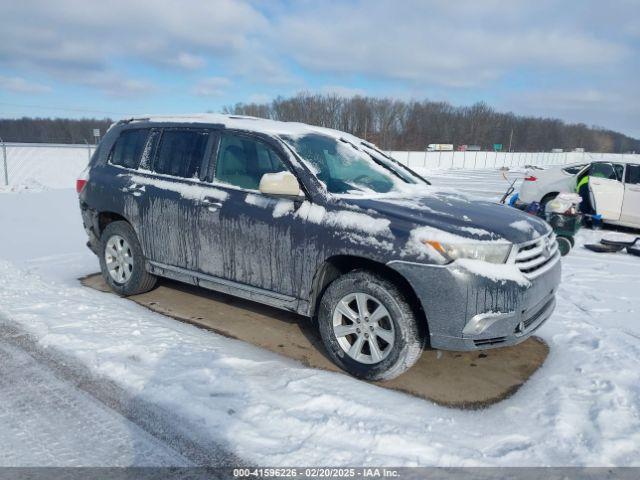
(605, 183)
(169, 193)
(259, 234)
(118, 193)
(631, 202)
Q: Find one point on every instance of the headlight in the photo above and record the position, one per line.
(488, 252)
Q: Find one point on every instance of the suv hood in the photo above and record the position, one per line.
(453, 213)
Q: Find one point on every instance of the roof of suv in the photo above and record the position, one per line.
(252, 124)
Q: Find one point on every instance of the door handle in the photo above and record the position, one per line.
(211, 203)
(135, 189)
(634, 189)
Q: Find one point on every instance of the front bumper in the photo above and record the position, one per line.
(466, 311)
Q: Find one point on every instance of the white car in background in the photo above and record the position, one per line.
(614, 187)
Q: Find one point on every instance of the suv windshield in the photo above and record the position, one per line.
(343, 168)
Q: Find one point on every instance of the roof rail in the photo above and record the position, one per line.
(124, 121)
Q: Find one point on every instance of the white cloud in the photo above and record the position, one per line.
(20, 85)
(259, 98)
(342, 91)
(187, 61)
(212, 87)
(613, 108)
(73, 39)
(257, 67)
(448, 50)
(469, 44)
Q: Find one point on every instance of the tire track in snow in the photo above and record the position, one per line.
(165, 439)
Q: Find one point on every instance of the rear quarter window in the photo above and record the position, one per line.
(128, 149)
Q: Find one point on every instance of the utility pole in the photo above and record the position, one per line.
(510, 139)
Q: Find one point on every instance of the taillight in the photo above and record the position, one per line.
(530, 178)
(80, 184)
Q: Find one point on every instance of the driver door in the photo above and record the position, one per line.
(607, 189)
(260, 237)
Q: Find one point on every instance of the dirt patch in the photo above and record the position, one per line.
(454, 379)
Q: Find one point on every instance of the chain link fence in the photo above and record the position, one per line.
(48, 164)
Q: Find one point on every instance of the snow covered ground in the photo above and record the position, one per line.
(581, 408)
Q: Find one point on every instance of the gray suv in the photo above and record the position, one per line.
(321, 223)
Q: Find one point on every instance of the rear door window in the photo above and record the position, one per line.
(633, 174)
(180, 153)
(242, 161)
(128, 148)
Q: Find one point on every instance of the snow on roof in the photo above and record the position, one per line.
(254, 124)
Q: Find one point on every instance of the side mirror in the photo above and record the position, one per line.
(281, 183)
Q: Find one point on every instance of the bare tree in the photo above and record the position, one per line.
(399, 125)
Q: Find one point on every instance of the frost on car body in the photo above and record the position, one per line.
(436, 263)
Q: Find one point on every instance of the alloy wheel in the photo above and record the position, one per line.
(119, 259)
(363, 328)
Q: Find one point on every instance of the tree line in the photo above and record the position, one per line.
(412, 125)
(51, 130)
(391, 124)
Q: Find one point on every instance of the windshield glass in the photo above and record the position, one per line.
(343, 168)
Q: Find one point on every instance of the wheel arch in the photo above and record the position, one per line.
(547, 197)
(106, 217)
(338, 265)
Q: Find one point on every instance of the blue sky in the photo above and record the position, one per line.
(575, 60)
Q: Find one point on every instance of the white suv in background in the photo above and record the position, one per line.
(614, 187)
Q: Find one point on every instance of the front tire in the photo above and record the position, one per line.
(565, 244)
(122, 262)
(368, 327)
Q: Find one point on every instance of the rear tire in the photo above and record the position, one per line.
(368, 327)
(122, 262)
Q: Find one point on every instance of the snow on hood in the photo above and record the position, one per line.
(474, 219)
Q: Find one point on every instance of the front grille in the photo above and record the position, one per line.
(536, 257)
(489, 341)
